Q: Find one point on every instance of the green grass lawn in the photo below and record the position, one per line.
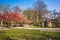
(32, 26)
(23, 34)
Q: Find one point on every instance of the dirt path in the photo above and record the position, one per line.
(41, 29)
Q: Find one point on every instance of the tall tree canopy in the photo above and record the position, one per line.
(41, 7)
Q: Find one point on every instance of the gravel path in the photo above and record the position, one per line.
(41, 29)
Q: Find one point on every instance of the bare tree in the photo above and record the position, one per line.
(54, 14)
(41, 7)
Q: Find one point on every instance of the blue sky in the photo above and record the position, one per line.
(51, 4)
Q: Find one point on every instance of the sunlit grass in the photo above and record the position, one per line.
(23, 34)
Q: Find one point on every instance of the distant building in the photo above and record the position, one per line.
(51, 23)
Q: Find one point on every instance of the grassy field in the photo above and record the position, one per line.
(32, 26)
(22, 34)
